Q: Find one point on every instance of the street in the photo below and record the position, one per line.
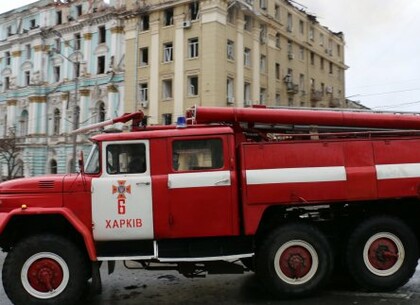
(131, 287)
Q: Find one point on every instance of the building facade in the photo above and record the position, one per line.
(228, 53)
(62, 67)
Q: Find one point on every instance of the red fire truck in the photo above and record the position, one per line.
(290, 194)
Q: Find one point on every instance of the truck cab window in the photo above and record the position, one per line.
(92, 163)
(126, 159)
(196, 155)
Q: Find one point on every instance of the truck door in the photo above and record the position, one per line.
(202, 187)
(122, 196)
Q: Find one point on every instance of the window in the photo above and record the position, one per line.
(167, 89)
(263, 33)
(331, 68)
(338, 50)
(301, 53)
(168, 18)
(57, 43)
(23, 122)
(263, 64)
(263, 4)
(32, 24)
(194, 10)
(167, 52)
(263, 96)
(301, 27)
(8, 58)
(100, 110)
(248, 23)
(76, 67)
(102, 34)
(76, 117)
(322, 63)
(167, 118)
(53, 166)
(277, 71)
(57, 118)
(301, 82)
(28, 50)
(229, 91)
(57, 75)
(197, 155)
(277, 12)
(27, 78)
(193, 85)
(59, 17)
(247, 94)
(77, 41)
(144, 56)
(278, 99)
(247, 57)
(101, 65)
(6, 83)
(126, 159)
(289, 22)
(144, 23)
(78, 10)
(143, 92)
(193, 48)
(311, 33)
(230, 50)
(231, 15)
(278, 40)
(321, 39)
(312, 58)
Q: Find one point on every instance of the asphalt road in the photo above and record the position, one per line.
(131, 287)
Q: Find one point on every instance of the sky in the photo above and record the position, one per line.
(382, 48)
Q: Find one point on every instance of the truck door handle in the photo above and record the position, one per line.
(222, 182)
(142, 183)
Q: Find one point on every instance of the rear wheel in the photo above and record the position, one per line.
(45, 269)
(382, 254)
(295, 260)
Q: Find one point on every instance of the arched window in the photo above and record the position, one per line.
(23, 122)
(57, 118)
(100, 110)
(53, 166)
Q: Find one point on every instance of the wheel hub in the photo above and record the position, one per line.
(295, 262)
(45, 275)
(383, 254)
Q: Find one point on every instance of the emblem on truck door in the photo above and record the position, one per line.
(121, 189)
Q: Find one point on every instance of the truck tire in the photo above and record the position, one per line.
(295, 260)
(382, 254)
(45, 269)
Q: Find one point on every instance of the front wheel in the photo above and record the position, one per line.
(382, 253)
(295, 260)
(45, 269)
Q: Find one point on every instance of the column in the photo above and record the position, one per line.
(256, 65)
(15, 79)
(178, 82)
(117, 33)
(11, 114)
(240, 77)
(64, 107)
(155, 56)
(84, 107)
(85, 66)
(112, 110)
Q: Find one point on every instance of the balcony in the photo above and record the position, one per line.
(334, 103)
(316, 96)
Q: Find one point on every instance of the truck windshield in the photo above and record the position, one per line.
(92, 163)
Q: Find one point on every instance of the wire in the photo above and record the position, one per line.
(396, 105)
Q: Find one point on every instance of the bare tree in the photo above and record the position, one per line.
(9, 154)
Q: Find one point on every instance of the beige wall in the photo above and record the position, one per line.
(212, 67)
